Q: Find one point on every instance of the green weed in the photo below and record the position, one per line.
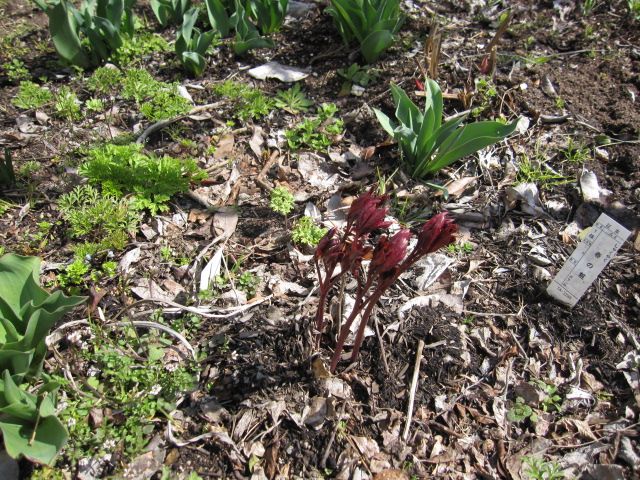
(128, 387)
(151, 181)
(552, 400)
(138, 84)
(67, 104)
(306, 232)
(534, 172)
(484, 95)
(105, 80)
(456, 248)
(15, 70)
(103, 221)
(316, 133)
(281, 201)
(292, 100)
(28, 169)
(31, 95)
(134, 49)
(165, 103)
(521, 411)
(538, 469)
(94, 105)
(575, 153)
(249, 103)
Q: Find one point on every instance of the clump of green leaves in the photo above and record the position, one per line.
(94, 105)
(357, 75)
(134, 49)
(538, 469)
(268, 14)
(104, 221)
(306, 232)
(170, 11)
(249, 102)
(247, 35)
(552, 399)
(166, 103)
(15, 70)
(67, 104)
(126, 374)
(88, 36)
(282, 200)
(372, 23)
(138, 84)
(7, 173)
(428, 144)
(150, 180)
(521, 411)
(292, 100)
(29, 425)
(31, 95)
(485, 93)
(104, 80)
(316, 133)
(191, 44)
(535, 171)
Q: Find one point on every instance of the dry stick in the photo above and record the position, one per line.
(168, 121)
(412, 394)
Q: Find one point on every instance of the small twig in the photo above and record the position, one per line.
(412, 393)
(168, 121)
(325, 455)
(382, 352)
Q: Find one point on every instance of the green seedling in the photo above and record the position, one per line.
(357, 75)
(31, 95)
(316, 133)
(292, 100)
(134, 49)
(247, 282)
(282, 201)
(249, 103)
(588, 6)
(538, 469)
(520, 411)
(170, 11)
(7, 173)
(67, 104)
(552, 400)
(15, 70)
(428, 144)
(104, 80)
(151, 181)
(485, 93)
(541, 174)
(372, 23)
(104, 222)
(456, 248)
(29, 425)
(165, 103)
(138, 85)
(94, 105)
(306, 232)
(634, 8)
(191, 44)
(28, 169)
(575, 153)
(74, 274)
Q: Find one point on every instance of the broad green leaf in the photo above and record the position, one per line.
(194, 62)
(17, 361)
(375, 43)
(406, 112)
(218, 17)
(469, 139)
(19, 439)
(64, 33)
(385, 121)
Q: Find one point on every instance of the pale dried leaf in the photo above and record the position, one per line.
(211, 270)
(225, 221)
(277, 70)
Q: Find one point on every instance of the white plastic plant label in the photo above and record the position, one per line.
(589, 258)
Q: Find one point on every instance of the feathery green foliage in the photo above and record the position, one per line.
(31, 95)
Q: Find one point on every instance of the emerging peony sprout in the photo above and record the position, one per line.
(388, 257)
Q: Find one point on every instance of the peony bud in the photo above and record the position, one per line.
(390, 252)
(436, 233)
(367, 214)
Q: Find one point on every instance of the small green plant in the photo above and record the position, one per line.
(428, 144)
(249, 103)
(88, 36)
(74, 274)
(29, 425)
(292, 100)
(575, 153)
(357, 75)
(135, 49)
(268, 14)
(520, 411)
(138, 84)
(67, 104)
(165, 103)
(373, 23)
(219, 13)
(485, 93)
(104, 80)
(538, 469)
(247, 35)
(534, 172)
(170, 11)
(634, 8)
(15, 70)
(191, 45)
(31, 95)
(94, 105)
(455, 248)
(306, 232)
(103, 221)
(318, 132)
(247, 282)
(151, 181)
(552, 400)
(282, 201)
(126, 374)
(28, 169)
